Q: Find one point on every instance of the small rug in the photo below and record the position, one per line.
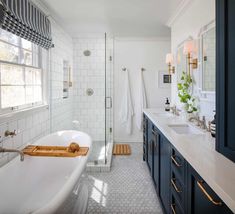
(121, 149)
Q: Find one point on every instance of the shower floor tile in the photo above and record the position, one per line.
(98, 152)
(127, 188)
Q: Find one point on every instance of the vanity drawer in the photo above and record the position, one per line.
(178, 164)
(175, 206)
(177, 188)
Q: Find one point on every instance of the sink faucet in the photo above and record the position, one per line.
(13, 150)
(201, 123)
(175, 111)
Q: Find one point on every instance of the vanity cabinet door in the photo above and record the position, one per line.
(225, 78)
(150, 148)
(165, 167)
(156, 157)
(201, 198)
(145, 138)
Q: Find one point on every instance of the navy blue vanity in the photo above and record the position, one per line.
(179, 187)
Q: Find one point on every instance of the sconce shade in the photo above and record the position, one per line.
(169, 58)
(190, 47)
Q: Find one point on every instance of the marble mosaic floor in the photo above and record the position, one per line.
(126, 189)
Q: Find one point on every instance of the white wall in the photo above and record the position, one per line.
(36, 124)
(198, 14)
(135, 53)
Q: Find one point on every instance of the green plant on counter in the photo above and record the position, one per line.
(185, 94)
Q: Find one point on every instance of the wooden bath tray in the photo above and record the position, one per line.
(53, 151)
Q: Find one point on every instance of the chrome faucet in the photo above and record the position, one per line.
(13, 150)
(175, 111)
(195, 118)
(201, 123)
(9, 133)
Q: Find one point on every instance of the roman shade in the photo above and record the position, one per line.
(24, 19)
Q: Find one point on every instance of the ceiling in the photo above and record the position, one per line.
(119, 17)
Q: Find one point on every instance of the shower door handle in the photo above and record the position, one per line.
(108, 102)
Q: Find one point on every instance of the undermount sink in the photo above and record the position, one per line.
(184, 129)
(164, 114)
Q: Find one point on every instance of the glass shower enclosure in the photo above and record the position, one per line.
(84, 102)
(93, 107)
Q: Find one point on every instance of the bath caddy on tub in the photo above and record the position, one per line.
(73, 150)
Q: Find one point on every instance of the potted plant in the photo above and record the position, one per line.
(185, 94)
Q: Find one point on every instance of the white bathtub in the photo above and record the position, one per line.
(42, 184)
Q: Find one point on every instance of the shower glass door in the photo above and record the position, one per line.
(100, 124)
(108, 96)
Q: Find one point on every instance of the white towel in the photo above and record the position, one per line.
(127, 111)
(142, 103)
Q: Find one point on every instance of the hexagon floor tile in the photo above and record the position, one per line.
(127, 188)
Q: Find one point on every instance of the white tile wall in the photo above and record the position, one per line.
(61, 109)
(89, 72)
(37, 124)
(28, 128)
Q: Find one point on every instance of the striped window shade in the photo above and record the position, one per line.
(23, 18)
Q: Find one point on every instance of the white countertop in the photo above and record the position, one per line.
(199, 151)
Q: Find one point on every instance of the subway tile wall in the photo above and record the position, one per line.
(35, 125)
(89, 73)
(61, 109)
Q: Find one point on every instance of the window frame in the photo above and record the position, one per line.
(28, 106)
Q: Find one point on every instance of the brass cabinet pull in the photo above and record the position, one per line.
(174, 185)
(175, 161)
(173, 208)
(200, 185)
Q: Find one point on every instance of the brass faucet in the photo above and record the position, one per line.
(13, 150)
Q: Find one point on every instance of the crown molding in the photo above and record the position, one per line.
(178, 12)
(126, 38)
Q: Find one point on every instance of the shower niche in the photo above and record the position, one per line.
(66, 78)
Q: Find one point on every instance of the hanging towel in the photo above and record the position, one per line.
(126, 111)
(142, 103)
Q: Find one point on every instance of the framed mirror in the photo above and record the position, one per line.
(181, 62)
(207, 59)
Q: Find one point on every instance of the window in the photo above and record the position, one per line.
(20, 73)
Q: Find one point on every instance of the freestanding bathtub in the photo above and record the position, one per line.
(44, 184)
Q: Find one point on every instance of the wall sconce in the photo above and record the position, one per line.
(190, 49)
(169, 62)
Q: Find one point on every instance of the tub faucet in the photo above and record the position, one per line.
(13, 150)
(9, 133)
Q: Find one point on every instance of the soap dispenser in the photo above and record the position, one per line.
(167, 105)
